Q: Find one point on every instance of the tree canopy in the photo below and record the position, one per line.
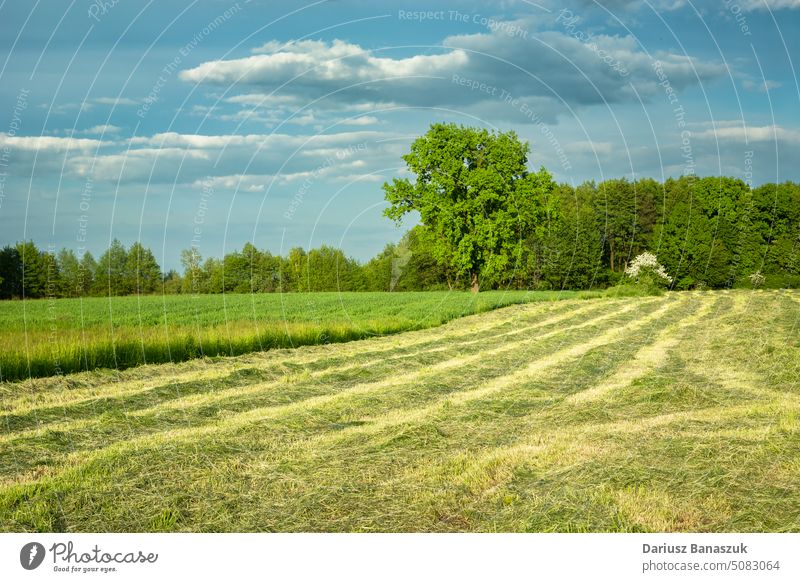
(475, 196)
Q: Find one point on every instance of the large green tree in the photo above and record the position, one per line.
(475, 196)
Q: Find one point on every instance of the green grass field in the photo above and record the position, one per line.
(671, 413)
(43, 338)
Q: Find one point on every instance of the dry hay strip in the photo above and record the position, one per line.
(403, 416)
(645, 360)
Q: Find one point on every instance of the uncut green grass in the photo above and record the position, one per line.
(44, 338)
(670, 413)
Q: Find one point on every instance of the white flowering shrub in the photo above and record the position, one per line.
(757, 279)
(646, 270)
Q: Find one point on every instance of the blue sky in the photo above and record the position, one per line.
(214, 123)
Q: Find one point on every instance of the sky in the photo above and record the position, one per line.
(209, 124)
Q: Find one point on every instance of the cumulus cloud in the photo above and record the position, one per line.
(102, 129)
(240, 182)
(47, 143)
(744, 133)
(273, 141)
(249, 161)
(283, 110)
(327, 65)
(473, 72)
(579, 70)
(287, 102)
(361, 120)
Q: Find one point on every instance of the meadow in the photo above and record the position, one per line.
(679, 412)
(47, 337)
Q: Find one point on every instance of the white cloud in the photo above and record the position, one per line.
(336, 64)
(137, 165)
(115, 101)
(363, 120)
(347, 178)
(102, 129)
(277, 141)
(550, 69)
(251, 159)
(241, 182)
(752, 133)
(712, 124)
(48, 143)
(580, 72)
(761, 86)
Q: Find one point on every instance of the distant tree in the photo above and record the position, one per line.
(626, 214)
(251, 257)
(577, 260)
(172, 283)
(10, 272)
(292, 269)
(111, 277)
(474, 194)
(213, 276)
(776, 219)
(705, 236)
(268, 272)
(54, 282)
(236, 273)
(249, 270)
(351, 275)
(194, 276)
(34, 270)
(70, 269)
(87, 273)
(142, 272)
(324, 267)
(378, 270)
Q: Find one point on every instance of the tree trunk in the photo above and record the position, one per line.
(475, 286)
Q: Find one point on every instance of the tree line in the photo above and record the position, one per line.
(707, 232)
(28, 271)
(490, 222)
(486, 222)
